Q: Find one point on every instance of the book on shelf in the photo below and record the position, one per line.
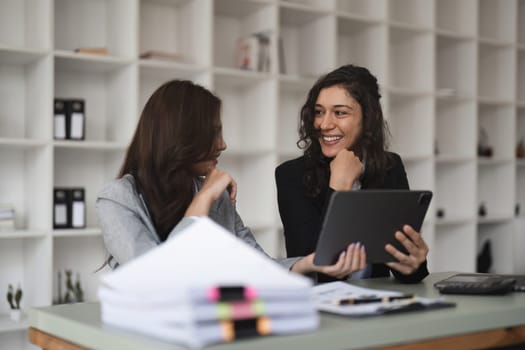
(7, 217)
(69, 119)
(162, 55)
(253, 52)
(69, 208)
(92, 50)
(7, 212)
(246, 294)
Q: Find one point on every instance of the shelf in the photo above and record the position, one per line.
(412, 12)
(163, 68)
(26, 24)
(300, 44)
(99, 24)
(235, 8)
(176, 27)
(21, 234)
(299, 15)
(482, 161)
(233, 20)
(420, 173)
(455, 17)
(499, 201)
(455, 190)
(496, 219)
(411, 113)
(239, 114)
(21, 143)
(497, 20)
(238, 78)
(458, 141)
(83, 262)
(415, 157)
(352, 33)
(78, 62)
(503, 243)
(8, 325)
(498, 122)
(409, 71)
(447, 239)
(20, 56)
(492, 59)
(77, 232)
(446, 69)
(444, 159)
(297, 83)
(375, 10)
(452, 57)
(90, 145)
(304, 12)
(107, 117)
(491, 101)
(453, 221)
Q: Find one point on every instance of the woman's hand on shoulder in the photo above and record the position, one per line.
(216, 182)
(417, 251)
(345, 169)
(350, 261)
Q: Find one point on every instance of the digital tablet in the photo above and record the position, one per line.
(370, 217)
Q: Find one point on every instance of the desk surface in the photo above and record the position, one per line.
(80, 323)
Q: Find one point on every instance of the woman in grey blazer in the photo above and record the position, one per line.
(170, 175)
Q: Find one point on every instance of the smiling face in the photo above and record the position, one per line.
(338, 117)
(204, 167)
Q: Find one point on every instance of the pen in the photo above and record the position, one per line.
(366, 300)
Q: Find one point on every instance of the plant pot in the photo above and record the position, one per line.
(16, 315)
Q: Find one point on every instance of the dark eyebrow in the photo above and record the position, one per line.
(345, 106)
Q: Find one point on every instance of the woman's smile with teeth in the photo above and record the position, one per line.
(332, 138)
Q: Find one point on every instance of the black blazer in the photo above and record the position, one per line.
(302, 216)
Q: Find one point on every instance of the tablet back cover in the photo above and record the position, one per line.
(371, 217)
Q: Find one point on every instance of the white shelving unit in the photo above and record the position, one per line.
(447, 68)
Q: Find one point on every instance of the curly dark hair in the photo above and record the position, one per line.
(371, 143)
(178, 127)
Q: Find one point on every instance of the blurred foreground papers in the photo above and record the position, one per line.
(206, 286)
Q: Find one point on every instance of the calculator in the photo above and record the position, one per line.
(475, 283)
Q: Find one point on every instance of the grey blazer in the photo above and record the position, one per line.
(128, 230)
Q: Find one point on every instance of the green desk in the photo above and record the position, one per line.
(477, 321)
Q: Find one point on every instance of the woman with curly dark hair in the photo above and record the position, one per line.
(343, 135)
(170, 176)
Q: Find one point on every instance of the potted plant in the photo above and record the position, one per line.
(14, 298)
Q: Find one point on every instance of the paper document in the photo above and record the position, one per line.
(206, 286)
(346, 299)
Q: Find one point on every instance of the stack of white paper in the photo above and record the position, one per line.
(206, 286)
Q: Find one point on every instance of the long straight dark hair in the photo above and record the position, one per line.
(371, 143)
(178, 127)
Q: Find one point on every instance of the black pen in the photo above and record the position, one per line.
(366, 300)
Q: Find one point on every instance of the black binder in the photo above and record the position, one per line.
(78, 208)
(61, 208)
(61, 127)
(77, 119)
